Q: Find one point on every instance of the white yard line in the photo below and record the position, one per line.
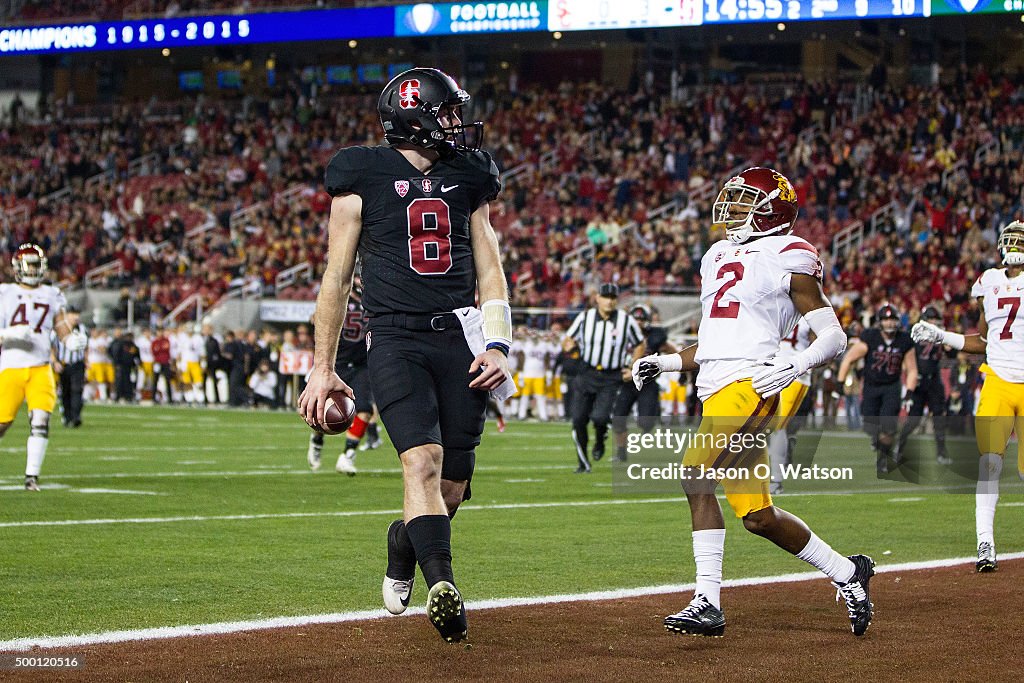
(338, 513)
(221, 628)
(370, 513)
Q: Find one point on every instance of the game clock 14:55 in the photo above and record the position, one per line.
(726, 11)
(730, 11)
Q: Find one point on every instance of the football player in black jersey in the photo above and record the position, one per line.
(648, 399)
(416, 211)
(888, 352)
(350, 364)
(930, 392)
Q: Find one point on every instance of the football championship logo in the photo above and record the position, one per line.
(409, 94)
(402, 187)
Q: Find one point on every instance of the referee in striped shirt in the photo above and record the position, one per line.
(70, 365)
(604, 335)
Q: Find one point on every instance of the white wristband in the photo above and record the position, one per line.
(954, 340)
(497, 323)
(671, 362)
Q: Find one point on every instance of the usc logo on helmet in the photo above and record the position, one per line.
(786, 192)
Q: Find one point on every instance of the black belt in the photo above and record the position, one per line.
(420, 322)
(602, 370)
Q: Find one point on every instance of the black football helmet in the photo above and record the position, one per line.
(642, 313)
(409, 107)
(931, 313)
(888, 318)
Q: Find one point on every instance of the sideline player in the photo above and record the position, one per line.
(888, 353)
(350, 364)
(29, 312)
(755, 285)
(536, 364)
(417, 213)
(99, 370)
(930, 392)
(1000, 412)
(647, 398)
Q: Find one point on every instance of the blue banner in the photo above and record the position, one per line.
(229, 29)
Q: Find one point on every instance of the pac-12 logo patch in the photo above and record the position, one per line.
(409, 94)
(402, 187)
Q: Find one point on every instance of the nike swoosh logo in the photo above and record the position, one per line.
(406, 599)
(446, 189)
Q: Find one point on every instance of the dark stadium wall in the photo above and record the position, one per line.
(573, 65)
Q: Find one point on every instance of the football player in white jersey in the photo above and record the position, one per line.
(756, 284)
(790, 400)
(1000, 411)
(536, 362)
(144, 380)
(29, 312)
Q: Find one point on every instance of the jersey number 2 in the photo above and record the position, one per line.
(732, 309)
(430, 236)
(1014, 303)
(21, 318)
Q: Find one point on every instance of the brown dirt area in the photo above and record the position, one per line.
(933, 625)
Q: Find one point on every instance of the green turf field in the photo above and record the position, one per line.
(222, 520)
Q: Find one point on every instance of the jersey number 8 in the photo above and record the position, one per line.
(430, 242)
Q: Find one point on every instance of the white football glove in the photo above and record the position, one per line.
(646, 369)
(924, 331)
(15, 333)
(76, 341)
(774, 375)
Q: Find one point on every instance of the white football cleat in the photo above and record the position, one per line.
(346, 463)
(397, 594)
(313, 454)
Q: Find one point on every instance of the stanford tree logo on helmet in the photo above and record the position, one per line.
(410, 109)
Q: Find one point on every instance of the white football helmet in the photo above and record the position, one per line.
(29, 264)
(1011, 244)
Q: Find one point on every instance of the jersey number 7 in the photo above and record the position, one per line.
(1014, 303)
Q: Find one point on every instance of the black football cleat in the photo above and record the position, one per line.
(855, 593)
(986, 558)
(699, 618)
(598, 452)
(447, 612)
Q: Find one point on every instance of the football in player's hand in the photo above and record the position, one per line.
(338, 414)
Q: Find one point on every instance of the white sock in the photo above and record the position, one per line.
(778, 445)
(708, 551)
(542, 409)
(524, 404)
(36, 450)
(199, 393)
(990, 466)
(820, 555)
